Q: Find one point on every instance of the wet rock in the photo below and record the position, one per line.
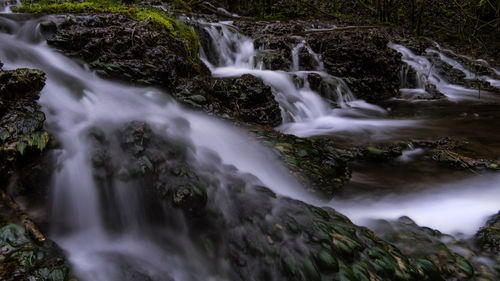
(144, 154)
(385, 152)
(208, 44)
(123, 48)
(275, 41)
(139, 52)
(259, 235)
(22, 138)
(23, 142)
(248, 99)
(306, 60)
(315, 162)
(275, 59)
(369, 67)
(459, 153)
(25, 254)
(488, 236)
(24, 258)
(315, 80)
(446, 257)
(276, 51)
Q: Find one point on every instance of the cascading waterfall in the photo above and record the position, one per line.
(305, 112)
(76, 100)
(428, 76)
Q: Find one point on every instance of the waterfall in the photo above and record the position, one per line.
(106, 226)
(306, 112)
(427, 76)
(109, 228)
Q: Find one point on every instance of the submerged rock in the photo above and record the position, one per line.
(459, 153)
(488, 236)
(449, 258)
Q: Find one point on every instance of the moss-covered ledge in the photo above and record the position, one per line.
(155, 16)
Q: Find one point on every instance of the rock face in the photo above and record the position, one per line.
(123, 48)
(248, 99)
(22, 138)
(22, 142)
(369, 67)
(262, 236)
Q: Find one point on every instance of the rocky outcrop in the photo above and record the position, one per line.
(24, 253)
(261, 235)
(248, 99)
(124, 48)
(120, 47)
(358, 55)
(275, 41)
(363, 59)
(22, 137)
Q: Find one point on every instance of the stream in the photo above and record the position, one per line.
(430, 194)
(76, 100)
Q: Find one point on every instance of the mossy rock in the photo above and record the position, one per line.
(23, 257)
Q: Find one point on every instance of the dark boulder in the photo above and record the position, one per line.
(362, 58)
(248, 99)
(127, 49)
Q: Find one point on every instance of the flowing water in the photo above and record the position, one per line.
(75, 100)
(427, 74)
(421, 189)
(305, 113)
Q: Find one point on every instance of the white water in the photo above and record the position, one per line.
(427, 75)
(305, 113)
(462, 206)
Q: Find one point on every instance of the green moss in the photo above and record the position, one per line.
(153, 15)
(36, 139)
